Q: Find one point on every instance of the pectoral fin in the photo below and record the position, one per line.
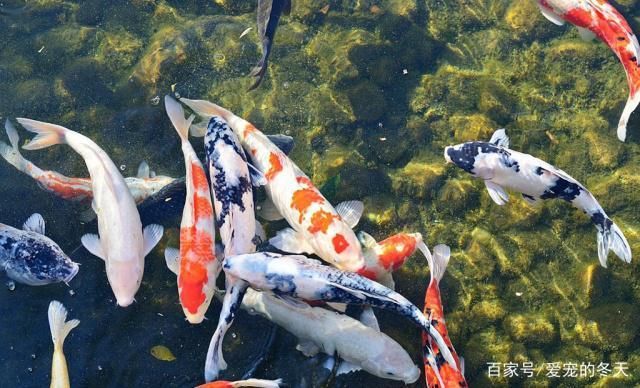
(151, 235)
(257, 177)
(366, 240)
(172, 258)
(585, 34)
(268, 211)
(91, 242)
(550, 15)
(497, 193)
(143, 170)
(35, 223)
(368, 318)
(284, 142)
(500, 138)
(308, 348)
(288, 240)
(350, 211)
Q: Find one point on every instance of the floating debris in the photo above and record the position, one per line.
(11, 285)
(245, 32)
(162, 353)
(155, 100)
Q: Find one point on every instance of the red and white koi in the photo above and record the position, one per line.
(599, 18)
(121, 243)
(317, 227)
(195, 263)
(438, 373)
(257, 383)
(142, 186)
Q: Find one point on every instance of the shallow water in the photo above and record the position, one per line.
(372, 91)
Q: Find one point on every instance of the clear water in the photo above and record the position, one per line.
(372, 91)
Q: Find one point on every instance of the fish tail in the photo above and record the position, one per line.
(46, 134)
(59, 328)
(632, 103)
(11, 153)
(257, 383)
(215, 360)
(439, 261)
(207, 109)
(442, 346)
(610, 238)
(176, 115)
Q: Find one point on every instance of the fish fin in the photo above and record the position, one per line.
(11, 153)
(143, 170)
(632, 103)
(283, 142)
(268, 211)
(531, 200)
(152, 174)
(257, 177)
(47, 134)
(207, 109)
(340, 307)
(612, 239)
(586, 34)
(440, 260)
(497, 193)
(500, 138)
(387, 281)
(172, 258)
(329, 363)
(257, 383)
(261, 235)
(286, 7)
(91, 242)
(291, 301)
(199, 129)
(176, 115)
(425, 251)
(288, 240)
(461, 359)
(368, 318)
(219, 251)
(12, 133)
(346, 367)
(351, 212)
(35, 223)
(59, 328)
(550, 15)
(308, 348)
(366, 240)
(87, 215)
(151, 235)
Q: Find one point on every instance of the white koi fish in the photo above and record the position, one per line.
(121, 243)
(317, 227)
(142, 186)
(501, 167)
(197, 266)
(599, 18)
(59, 332)
(31, 258)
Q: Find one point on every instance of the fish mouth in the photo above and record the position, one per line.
(446, 154)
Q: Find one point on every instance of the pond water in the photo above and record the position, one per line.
(372, 92)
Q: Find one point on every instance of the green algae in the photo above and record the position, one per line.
(372, 92)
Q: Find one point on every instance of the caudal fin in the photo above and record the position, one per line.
(439, 261)
(612, 239)
(47, 134)
(631, 105)
(59, 328)
(11, 153)
(176, 115)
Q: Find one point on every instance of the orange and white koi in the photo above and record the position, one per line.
(195, 263)
(438, 373)
(384, 257)
(599, 18)
(317, 227)
(257, 383)
(142, 186)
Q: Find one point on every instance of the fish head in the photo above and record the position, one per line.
(474, 157)
(125, 278)
(38, 262)
(391, 362)
(343, 249)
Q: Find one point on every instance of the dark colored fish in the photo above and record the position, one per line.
(269, 12)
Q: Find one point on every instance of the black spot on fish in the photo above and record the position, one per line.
(283, 284)
(465, 156)
(633, 58)
(540, 171)
(562, 189)
(601, 221)
(621, 38)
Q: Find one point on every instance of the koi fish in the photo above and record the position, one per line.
(144, 185)
(295, 276)
(537, 180)
(231, 184)
(384, 257)
(599, 18)
(121, 242)
(243, 383)
(197, 266)
(59, 331)
(269, 12)
(438, 374)
(318, 228)
(321, 330)
(31, 258)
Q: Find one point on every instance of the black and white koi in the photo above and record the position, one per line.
(29, 257)
(501, 167)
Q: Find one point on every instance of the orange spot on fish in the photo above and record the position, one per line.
(303, 198)
(275, 166)
(248, 129)
(196, 253)
(339, 243)
(320, 221)
(395, 250)
(367, 273)
(303, 180)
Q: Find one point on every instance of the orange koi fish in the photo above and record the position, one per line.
(195, 263)
(438, 373)
(145, 184)
(244, 383)
(317, 227)
(599, 18)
